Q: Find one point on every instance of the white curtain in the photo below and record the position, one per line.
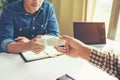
(114, 19)
(91, 5)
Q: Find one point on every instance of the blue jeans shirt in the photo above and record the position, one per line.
(14, 22)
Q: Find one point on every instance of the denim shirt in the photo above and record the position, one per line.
(14, 22)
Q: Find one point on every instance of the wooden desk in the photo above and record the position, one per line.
(12, 67)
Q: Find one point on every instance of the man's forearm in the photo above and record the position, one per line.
(15, 47)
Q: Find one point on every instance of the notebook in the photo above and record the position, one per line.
(90, 32)
(49, 42)
(49, 52)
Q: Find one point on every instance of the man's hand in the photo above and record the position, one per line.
(34, 46)
(22, 39)
(74, 48)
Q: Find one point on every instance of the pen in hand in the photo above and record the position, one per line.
(46, 53)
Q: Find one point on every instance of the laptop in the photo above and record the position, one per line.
(91, 33)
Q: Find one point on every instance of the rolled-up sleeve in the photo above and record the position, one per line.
(5, 43)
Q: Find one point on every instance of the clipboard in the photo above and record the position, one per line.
(49, 52)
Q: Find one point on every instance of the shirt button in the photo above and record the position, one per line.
(32, 35)
(20, 29)
(26, 14)
(33, 28)
(42, 26)
(34, 18)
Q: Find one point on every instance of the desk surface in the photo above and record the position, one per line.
(12, 67)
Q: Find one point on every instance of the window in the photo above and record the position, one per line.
(101, 12)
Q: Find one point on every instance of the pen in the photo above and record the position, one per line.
(69, 77)
(45, 53)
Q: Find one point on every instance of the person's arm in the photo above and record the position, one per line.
(107, 61)
(52, 26)
(74, 48)
(6, 28)
(7, 42)
(16, 47)
(23, 44)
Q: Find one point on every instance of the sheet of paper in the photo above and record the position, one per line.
(48, 52)
(48, 40)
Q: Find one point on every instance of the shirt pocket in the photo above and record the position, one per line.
(22, 29)
(42, 27)
(22, 26)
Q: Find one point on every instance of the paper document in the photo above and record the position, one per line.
(49, 52)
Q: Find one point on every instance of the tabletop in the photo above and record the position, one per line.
(13, 67)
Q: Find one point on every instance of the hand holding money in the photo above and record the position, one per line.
(48, 40)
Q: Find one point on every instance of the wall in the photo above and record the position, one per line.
(56, 4)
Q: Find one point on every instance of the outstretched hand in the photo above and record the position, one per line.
(74, 47)
(34, 46)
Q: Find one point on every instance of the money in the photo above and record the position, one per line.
(48, 40)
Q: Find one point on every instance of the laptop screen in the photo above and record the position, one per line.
(90, 32)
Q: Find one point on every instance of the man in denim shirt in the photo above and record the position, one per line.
(22, 22)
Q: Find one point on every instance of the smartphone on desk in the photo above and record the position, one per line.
(65, 77)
